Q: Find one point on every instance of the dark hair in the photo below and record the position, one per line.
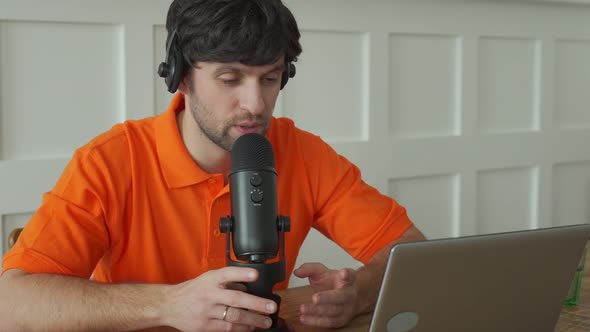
(253, 32)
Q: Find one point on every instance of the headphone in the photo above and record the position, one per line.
(174, 67)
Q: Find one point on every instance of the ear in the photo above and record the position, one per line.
(183, 87)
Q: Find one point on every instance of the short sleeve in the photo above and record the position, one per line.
(350, 212)
(67, 234)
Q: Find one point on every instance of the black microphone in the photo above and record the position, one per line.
(256, 230)
(253, 187)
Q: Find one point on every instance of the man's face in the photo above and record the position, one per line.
(228, 100)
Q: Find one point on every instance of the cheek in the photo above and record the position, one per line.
(223, 103)
(213, 94)
(219, 106)
(270, 100)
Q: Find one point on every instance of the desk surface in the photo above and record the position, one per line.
(574, 319)
(578, 318)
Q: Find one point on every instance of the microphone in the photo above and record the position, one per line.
(255, 230)
(253, 187)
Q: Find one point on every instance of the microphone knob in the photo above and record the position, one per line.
(225, 224)
(284, 224)
(255, 180)
(257, 259)
(256, 195)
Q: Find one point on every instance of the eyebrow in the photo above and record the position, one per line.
(234, 69)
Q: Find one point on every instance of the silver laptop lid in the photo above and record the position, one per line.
(505, 282)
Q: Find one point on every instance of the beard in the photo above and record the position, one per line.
(220, 136)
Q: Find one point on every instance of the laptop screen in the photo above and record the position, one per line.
(514, 281)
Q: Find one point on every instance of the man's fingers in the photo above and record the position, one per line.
(335, 296)
(248, 318)
(238, 299)
(323, 321)
(220, 325)
(237, 316)
(233, 274)
(347, 276)
(308, 269)
(325, 315)
(321, 310)
(236, 286)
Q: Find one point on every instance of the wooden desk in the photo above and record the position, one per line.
(293, 297)
(576, 319)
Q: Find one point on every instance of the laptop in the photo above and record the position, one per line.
(504, 282)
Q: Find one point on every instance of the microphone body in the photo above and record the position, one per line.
(255, 228)
(254, 208)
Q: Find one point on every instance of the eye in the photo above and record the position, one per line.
(231, 82)
(270, 80)
(229, 79)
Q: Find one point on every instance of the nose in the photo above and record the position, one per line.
(251, 99)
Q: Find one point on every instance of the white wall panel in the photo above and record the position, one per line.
(432, 202)
(329, 254)
(420, 66)
(61, 85)
(571, 193)
(572, 84)
(22, 182)
(331, 83)
(10, 222)
(506, 200)
(409, 90)
(508, 84)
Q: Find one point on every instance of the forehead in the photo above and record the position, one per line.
(223, 67)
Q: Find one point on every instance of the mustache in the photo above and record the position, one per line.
(250, 118)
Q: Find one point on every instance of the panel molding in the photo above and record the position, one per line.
(381, 155)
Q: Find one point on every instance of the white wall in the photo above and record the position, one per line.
(474, 114)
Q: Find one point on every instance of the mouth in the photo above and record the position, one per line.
(248, 127)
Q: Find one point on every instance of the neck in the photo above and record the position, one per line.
(210, 157)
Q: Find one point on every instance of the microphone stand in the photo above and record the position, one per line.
(268, 274)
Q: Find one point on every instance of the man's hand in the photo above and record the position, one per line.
(216, 302)
(334, 302)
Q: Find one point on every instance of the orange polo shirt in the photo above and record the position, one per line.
(132, 206)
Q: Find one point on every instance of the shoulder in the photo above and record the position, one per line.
(107, 158)
(286, 136)
(117, 140)
(303, 152)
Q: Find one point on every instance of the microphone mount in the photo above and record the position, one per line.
(268, 274)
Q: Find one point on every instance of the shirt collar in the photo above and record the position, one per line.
(177, 165)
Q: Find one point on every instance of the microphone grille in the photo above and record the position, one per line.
(252, 151)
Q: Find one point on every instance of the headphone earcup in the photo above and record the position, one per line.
(173, 69)
(289, 72)
(176, 63)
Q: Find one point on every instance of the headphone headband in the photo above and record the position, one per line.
(172, 70)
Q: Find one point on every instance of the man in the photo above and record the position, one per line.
(137, 209)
